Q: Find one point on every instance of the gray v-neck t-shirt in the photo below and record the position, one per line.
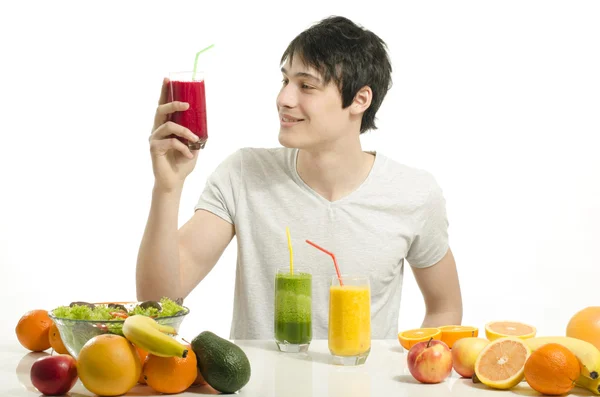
(397, 213)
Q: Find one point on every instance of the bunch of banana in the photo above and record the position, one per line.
(151, 336)
(592, 385)
(587, 354)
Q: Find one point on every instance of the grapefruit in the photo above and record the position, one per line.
(108, 365)
(585, 325)
(500, 364)
(501, 329)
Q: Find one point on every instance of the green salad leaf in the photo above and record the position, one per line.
(169, 307)
(103, 313)
(150, 311)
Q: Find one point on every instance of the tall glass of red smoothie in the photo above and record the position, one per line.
(189, 87)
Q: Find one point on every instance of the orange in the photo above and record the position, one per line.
(552, 370)
(55, 341)
(142, 354)
(33, 330)
(171, 374)
(199, 380)
(452, 333)
(413, 336)
(585, 325)
(501, 363)
(108, 365)
(501, 329)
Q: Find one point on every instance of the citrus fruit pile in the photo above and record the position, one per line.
(511, 353)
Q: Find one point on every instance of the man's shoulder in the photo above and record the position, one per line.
(406, 185)
(259, 162)
(404, 173)
(262, 153)
(255, 157)
(248, 156)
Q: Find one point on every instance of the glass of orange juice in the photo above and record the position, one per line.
(350, 320)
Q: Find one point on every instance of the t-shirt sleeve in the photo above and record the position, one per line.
(221, 193)
(430, 242)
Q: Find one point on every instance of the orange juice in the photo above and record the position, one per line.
(350, 319)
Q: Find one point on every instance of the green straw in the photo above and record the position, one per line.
(196, 60)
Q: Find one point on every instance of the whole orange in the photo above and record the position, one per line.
(55, 340)
(552, 369)
(142, 354)
(171, 374)
(108, 365)
(585, 325)
(199, 380)
(32, 330)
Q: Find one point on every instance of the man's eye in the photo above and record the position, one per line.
(306, 86)
(284, 81)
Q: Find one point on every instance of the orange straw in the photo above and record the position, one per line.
(337, 269)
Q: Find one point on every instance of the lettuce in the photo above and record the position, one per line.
(103, 313)
(99, 313)
(169, 308)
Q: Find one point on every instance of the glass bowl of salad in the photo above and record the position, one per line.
(81, 321)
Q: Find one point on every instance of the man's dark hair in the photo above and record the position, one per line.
(349, 55)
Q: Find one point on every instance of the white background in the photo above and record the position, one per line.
(499, 100)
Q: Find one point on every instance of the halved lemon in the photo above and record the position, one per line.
(501, 364)
(501, 329)
(413, 336)
(452, 333)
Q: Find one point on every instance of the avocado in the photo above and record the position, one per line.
(223, 364)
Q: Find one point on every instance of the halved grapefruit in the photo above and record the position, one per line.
(501, 364)
(501, 329)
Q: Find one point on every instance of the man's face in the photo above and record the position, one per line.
(310, 112)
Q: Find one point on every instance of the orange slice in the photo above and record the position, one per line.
(452, 333)
(413, 336)
(501, 364)
(501, 329)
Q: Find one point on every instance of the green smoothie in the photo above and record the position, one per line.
(293, 302)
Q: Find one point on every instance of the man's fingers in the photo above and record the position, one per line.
(171, 128)
(172, 107)
(164, 91)
(162, 146)
(161, 118)
(163, 111)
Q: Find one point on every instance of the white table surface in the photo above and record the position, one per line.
(291, 374)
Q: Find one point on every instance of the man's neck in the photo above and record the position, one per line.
(335, 172)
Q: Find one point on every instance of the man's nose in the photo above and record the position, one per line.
(287, 97)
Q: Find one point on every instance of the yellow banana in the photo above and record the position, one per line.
(147, 334)
(587, 354)
(592, 385)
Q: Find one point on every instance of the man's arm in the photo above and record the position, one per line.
(441, 292)
(172, 262)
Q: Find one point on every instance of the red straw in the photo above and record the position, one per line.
(337, 269)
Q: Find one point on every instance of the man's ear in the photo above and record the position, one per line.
(362, 100)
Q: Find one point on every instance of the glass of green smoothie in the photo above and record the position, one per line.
(293, 310)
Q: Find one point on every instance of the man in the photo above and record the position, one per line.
(369, 210)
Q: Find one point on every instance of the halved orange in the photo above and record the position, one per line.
(452, 333)
(413, 336)
(501, 329)
(501, 364)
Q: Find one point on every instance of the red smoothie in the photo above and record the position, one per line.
(192, 92)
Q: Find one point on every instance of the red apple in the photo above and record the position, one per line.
(430, 362)
(54, 375)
